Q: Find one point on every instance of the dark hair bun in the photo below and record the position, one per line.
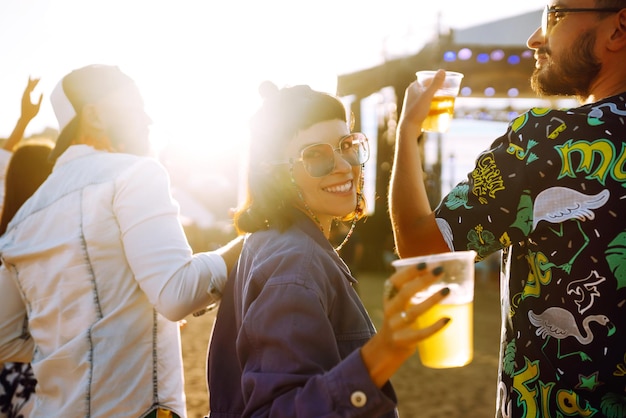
(267, 89)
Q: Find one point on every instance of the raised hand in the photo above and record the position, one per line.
(30, 109)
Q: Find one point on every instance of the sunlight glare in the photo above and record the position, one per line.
(219, 95)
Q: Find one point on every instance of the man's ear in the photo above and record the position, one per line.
(91, 117)
(92, 131)
(617, 41)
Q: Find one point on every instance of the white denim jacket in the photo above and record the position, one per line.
(5, 158)
(95, 271)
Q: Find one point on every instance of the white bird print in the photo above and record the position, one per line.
(559, 323)
(559, 204)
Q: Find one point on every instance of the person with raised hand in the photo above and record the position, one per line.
(548, 193)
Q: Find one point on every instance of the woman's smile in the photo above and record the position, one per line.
(340, 188)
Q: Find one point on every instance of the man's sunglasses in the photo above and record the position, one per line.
(552, 15)
(319, 159)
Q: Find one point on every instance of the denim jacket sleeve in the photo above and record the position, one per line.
(293, 362)
(176, 281)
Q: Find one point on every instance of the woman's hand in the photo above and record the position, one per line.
(417, 104)
(401, 314)
(398, 336)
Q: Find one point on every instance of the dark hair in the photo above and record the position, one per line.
(28, 168)
(282, 115)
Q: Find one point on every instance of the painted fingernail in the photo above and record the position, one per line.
(421, 266)
(389, 290)
(445, 291)
(437, 270)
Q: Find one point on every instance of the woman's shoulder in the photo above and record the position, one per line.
(273, 245)
(290, 255)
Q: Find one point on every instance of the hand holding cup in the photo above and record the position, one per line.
(452, 347)
(400, 313)
(442, 105)
(398, 336)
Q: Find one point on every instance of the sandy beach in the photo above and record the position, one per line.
(463, 392)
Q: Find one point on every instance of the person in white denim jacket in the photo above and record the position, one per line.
(96, 269)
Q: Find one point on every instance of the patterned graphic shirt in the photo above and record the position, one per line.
(551, 193)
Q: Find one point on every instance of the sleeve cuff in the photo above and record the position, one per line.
(352, 387)
(217, 267)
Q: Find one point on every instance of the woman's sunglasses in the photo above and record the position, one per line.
(319, 159)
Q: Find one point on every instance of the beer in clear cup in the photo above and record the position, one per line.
(442, 105)
(453, 346)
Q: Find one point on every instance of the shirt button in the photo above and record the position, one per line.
(358, 399)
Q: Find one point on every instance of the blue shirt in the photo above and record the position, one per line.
(288, 333)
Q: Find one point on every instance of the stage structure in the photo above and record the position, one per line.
(497, 65)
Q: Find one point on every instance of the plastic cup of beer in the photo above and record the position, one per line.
(453, 346)
(442, 105)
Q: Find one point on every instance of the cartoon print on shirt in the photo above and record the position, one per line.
(564, 293)
(589, 383)
(602, 152)
(586, 289)
(620, 369)
(487, 178)
(508, 361)
(560, 204)
(525, 384)
(616, 258)
(559, 323)
(484, 242)
(458, 197)
(554, 133)
(521, 153)
(539, 274)
(504, 240)
(613, 405)
(520, 121)
(524, 218)
(535, 395)
(596, 113)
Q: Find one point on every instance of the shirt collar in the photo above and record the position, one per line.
(74, 152)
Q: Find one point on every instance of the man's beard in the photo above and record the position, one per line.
(570, 74)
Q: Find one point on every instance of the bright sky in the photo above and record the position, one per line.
(199, 62)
